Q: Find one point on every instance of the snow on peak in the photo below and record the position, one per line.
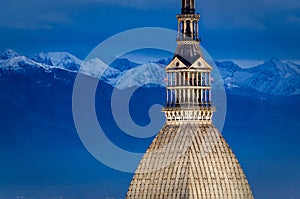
(62, 60)
(294, 66)
(272, 77)
(227, 68)
(276, 66)
(144, 75)
(8, 54)
(19, 63)
(98, 69)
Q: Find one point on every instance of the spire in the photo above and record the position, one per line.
(188, 7)
(188, 49)
(189, 75)
(188, 21)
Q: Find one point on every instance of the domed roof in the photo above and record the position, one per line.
(189, 161)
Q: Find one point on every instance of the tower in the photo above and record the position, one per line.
(189, 158)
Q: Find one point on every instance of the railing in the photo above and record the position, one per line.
(174, 105)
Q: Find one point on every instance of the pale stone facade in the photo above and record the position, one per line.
(189, 161)
(189, 158)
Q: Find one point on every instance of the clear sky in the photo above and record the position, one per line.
(231, 29)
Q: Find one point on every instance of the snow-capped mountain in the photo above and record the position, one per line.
(294, 66)
(274, 77)
(63, 60)
(10, 61)
(98, 69)
(8, 54)
(147, 74)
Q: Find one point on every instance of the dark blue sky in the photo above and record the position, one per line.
(231, 29)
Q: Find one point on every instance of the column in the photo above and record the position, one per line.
(179, 96)
(198, 100)
(167, 97)
(207, 79)
(183, 28)
(192, 4)
(189, 95)
(197, 33)
(194, 79)
(175, 96)
(171, 93)
(192, 29)
(179, 28)
(179, 79)
(173, 79)
(195, 28)
(186, 96)
(182, 97)
(207, 91)
(194, 96)
(210, 96)
(205, 96)
(171, 97)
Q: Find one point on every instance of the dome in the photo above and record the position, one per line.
(189, 161)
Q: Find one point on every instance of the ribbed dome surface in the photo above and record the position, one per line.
(189, 161)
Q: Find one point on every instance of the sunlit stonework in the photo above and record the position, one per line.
(189, 158)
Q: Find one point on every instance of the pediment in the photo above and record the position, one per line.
(201, 64)
(175, 64)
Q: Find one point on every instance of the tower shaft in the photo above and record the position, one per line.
(188, 22)
(189, 158)
(188, 49)
(189, 75)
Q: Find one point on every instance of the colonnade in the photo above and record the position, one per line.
(188, 88)
(188, 28)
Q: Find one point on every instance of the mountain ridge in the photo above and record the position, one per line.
(274, 76)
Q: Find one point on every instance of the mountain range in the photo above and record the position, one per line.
(273, 77)
(42, 155)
